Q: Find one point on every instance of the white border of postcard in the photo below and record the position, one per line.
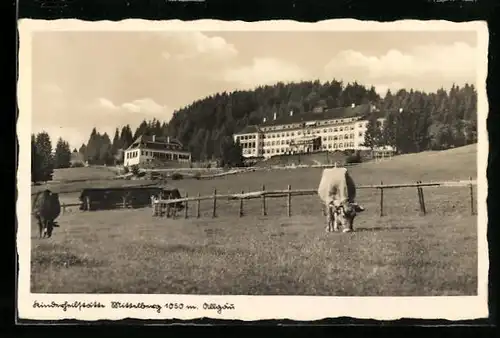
(303, 308)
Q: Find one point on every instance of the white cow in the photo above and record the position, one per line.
(337, 191)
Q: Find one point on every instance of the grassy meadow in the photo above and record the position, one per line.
(399, 254)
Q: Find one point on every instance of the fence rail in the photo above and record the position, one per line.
(160, 204)
(263, 194)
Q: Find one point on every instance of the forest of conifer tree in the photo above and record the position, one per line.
(438, 120)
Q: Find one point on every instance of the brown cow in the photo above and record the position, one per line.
(337, 191)
(46, 208)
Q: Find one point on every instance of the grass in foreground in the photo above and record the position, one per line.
(128, 251)
(401, 254)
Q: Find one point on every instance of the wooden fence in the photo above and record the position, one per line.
(162, 207)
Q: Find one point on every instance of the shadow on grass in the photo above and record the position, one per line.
(374, 229)
(66, 259)
(193, 249)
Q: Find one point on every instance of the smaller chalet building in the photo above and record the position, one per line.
(147, 149)
(77, 159)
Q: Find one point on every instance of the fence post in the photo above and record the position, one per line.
(174, 211)
(423, 199)
(471, 197)
(186, 206)
(165, 210)
(381, 199)
(289, 201)
(419, 196)
(198, 207)
(88, 203)
(214, 214)
(264, 211)
(241, 204)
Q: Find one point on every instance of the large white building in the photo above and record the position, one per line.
(146, 149)
(327, 130)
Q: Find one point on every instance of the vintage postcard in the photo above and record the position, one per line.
(252, 171)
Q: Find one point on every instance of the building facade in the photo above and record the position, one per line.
(319, 130)
(148, 149)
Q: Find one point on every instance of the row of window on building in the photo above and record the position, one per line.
(248, 145)
(132, 154)
(309, 132)
(252, 145)
(293, 126)
(291, 134)
(342, 145)
(155, 154)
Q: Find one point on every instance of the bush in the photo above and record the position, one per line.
(77, 165)
(135, 169)
(354, 158)
(197, 175)
(177, 176)
(126, 170)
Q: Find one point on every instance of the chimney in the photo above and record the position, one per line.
(291, 112)
(154, 138)
(274, 116)
(353, 105)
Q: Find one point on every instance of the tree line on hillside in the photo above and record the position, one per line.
(438, 120)
(417, 121)
(44, 161)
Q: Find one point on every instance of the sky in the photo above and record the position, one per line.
(82, 80)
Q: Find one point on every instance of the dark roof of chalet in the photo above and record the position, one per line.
(148, 138)
(159, 143)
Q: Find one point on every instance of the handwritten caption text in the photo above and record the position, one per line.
(64, 306)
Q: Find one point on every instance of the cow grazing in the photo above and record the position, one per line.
(46, 208)
(337, 191)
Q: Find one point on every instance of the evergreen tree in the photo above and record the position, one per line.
(62, 155)
(116, 142)
(105, 150)
(46, 161)
(373, 133)
(222, 114)
(126, 137)
(92, 149)
(389, 131)
(231, 153)
(36, 161)
(83, 150)
(141, 130)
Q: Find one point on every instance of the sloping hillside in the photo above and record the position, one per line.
(452, 164)
(323, 157)
(83, 174)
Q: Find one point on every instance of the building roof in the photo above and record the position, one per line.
(361, 111)
(159, 139)
(160, 143)
(332, 113)
(249, 129)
